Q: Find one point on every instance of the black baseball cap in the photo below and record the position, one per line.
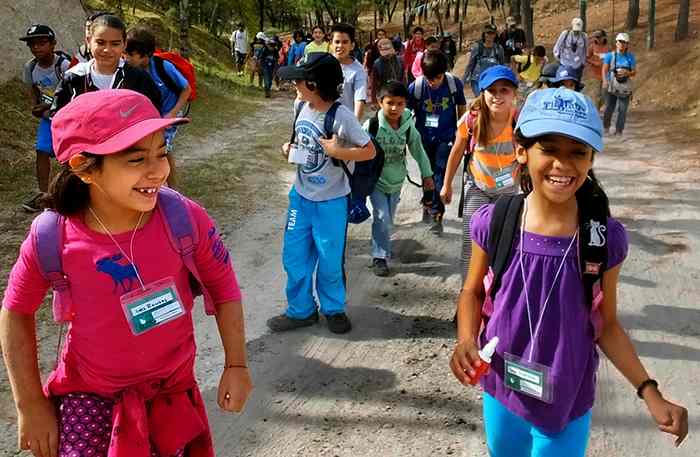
(314, 66)
(490, 28)
(39, 31)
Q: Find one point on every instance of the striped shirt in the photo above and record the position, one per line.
(494, 159)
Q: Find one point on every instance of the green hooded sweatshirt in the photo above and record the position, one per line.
(393, 142)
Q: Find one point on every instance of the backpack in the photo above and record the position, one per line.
(471, 144)
(374, 129)
(62, 56)
(418, 87)
(482, 63)
(48, 242)
(365, 176)
(592, 252)
(183, 65)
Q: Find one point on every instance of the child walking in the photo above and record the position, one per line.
(42, 75)
(485, 141)
(324, 153)
(106, 69)
(118, 251)
(393, 130)
(546, 286)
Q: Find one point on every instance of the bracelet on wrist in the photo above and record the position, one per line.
(644, 385)
(235, 365)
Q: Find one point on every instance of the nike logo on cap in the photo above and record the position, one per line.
(127, 113)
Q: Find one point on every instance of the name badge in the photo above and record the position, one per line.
(46, 99)
(432, 121)
(147, 309)
(528, 378)
(297, 155)
(504, 179)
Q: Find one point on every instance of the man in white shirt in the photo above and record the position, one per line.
(239, 47)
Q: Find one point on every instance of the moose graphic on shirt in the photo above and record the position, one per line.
(123, 275)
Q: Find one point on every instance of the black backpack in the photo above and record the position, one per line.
(367, 172)
(592, 253)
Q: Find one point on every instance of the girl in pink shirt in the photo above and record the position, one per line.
(124, 384)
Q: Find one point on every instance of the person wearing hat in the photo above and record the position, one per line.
(512, 39)
(619, 69)
(485, 53)
(449, 47)
(566, 77)
(549, 72)
(326, 142)
(124, 381)
(596, 51)
(571, 48)
(550, 318)
(42, 74)
(485, 138)
(239, 47)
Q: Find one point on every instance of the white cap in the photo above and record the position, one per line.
(487, 351)
(577, 24)
(261, 36)
(622, 36)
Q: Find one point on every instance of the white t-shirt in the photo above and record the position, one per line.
(45, 79)
(355, 84)
(240, 41)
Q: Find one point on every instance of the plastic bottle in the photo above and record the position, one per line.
(485, 355)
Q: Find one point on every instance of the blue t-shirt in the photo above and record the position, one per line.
(168, 97)
(625, 60)
(438, 103)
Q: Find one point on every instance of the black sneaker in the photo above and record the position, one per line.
(33, 205)
(436, 226)
(380, 267)
(338, 323)
(283, 323)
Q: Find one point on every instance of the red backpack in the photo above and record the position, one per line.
(182, 64)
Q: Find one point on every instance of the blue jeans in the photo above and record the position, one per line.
(622, 104)
(383, 211)
(314, 240)
(508, 435)
(438, 153)
(268, 75)
(475, 87)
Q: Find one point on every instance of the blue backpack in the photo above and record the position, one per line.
(365, 175)
(48, 242)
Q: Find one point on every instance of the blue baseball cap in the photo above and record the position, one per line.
(565, 73)
(561, 111)
(496, 73)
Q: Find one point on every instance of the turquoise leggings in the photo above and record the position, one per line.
(508, 435)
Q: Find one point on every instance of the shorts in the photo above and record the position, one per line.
(239, 57)
(43, 138)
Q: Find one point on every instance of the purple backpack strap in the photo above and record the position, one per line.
(48, 244)
(184, 238)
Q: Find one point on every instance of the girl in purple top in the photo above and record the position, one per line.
(541, 388)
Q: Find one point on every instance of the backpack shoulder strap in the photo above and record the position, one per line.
(183, 236)
(418, 87)
(329, 120)
(451, 83)
(62, 57)
(48, 244)
(502, 228)
(374, 125)
(297, 112)
(159, 63)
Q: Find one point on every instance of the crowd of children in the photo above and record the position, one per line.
(126, 255)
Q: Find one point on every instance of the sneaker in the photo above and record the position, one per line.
(338, 323)
(427, 217)
(283, 323)
(33, 205)
(436, 226)
(380, 267)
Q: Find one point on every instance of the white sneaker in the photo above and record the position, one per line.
(611, 131)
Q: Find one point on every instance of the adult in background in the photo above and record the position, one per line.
(619, 67)
(597, 49)
(448, 46)
(571, 48)
(239, 47)
(254, 67)
(388, 67)
(484, 54)
(372, 51)
(512, 39)
(413, 47)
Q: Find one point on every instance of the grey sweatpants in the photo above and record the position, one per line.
(474, 198)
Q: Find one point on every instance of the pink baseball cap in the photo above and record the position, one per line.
(105, 122)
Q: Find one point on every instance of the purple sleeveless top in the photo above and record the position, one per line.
(565, 342)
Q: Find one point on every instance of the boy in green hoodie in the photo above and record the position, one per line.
(395, 130)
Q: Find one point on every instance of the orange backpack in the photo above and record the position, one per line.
(182, 64)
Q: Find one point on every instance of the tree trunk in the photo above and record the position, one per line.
(682, 24)
(261, 13)
(447, 9)
(438, 16)
(464, 9)
(456, 15)
(391, 10)
(632, 14)
(515, 10)
(526, 12)
(185, 28)
(582, 4)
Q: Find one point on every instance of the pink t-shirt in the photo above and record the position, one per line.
(100, 343)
